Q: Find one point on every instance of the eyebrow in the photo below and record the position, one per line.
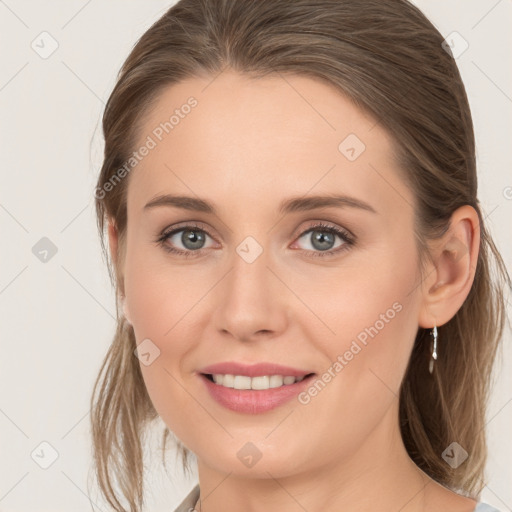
(294, 204)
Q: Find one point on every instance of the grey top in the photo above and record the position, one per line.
(483, 507)
(187, 505)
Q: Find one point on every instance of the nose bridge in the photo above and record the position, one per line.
(249, 277)
(250, 301)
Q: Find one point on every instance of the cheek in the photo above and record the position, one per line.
(159, 299)
(161, 295)
(374, 319)
(371, 313)
(164, 303)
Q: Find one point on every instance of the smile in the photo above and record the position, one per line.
(254, 395)
(258, 383)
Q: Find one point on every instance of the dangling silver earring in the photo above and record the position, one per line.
(433, 349)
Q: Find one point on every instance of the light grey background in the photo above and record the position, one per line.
(58, 316)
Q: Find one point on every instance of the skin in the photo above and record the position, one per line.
(246, 146)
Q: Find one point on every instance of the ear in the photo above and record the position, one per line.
(113, 242)
(112, 239)
(449, 278)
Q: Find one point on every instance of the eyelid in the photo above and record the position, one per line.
(187, 224)
(321, 224)
(184, 226)
(345, 235)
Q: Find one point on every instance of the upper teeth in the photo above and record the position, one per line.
(245, 382)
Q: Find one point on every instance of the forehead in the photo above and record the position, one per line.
(233, 137)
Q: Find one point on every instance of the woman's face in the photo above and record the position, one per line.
(260, 283)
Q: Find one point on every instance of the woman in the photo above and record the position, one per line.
(302, 265)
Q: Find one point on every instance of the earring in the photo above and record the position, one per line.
(433, 349)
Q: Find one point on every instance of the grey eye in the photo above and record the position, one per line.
(320, 239)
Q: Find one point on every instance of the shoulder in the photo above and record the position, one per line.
(187, 505)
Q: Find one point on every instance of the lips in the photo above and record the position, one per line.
(260, 398)
(253, 370)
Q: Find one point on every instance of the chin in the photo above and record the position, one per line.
(246, 458)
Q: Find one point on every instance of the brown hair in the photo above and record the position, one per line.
(388, 59)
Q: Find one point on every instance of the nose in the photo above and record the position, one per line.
(252, 302)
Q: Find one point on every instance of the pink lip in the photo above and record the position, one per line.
(253, 370)
(252, 401)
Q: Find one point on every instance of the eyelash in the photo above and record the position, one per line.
(348, 239)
